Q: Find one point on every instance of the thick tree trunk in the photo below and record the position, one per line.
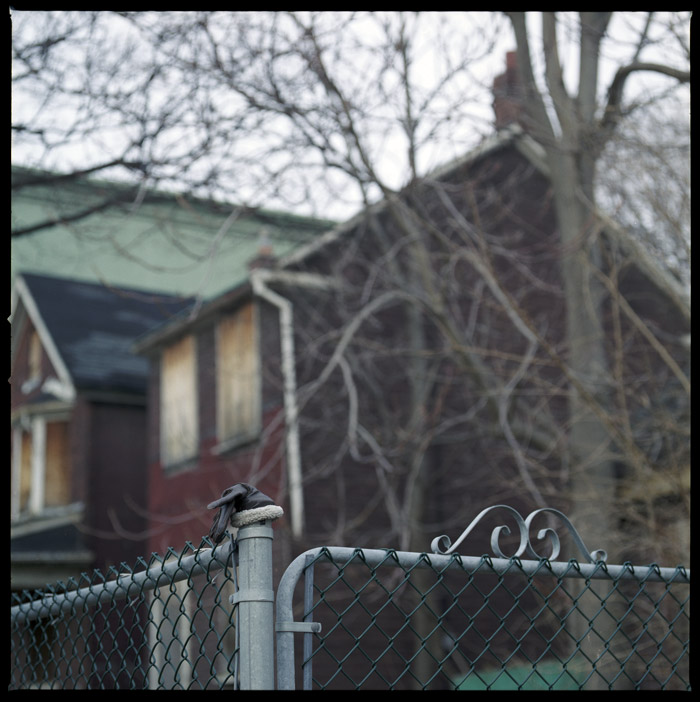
(592, 470)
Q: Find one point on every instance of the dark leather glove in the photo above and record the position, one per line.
(235, 499)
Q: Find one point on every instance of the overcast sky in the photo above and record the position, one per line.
(466, 130)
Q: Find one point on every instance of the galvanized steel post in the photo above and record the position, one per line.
(255, 600)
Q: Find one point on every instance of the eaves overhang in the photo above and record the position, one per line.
(190, 320)
(194, 318)
(50, 518)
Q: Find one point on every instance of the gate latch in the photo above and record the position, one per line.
(299, 627)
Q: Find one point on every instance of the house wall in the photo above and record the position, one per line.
(117, 482)
(178, 496)
(473, 467)
(100, 461)
(471, 470)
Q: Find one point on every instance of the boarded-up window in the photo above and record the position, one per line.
(57, 485)
(178, 402)
(43, 470)
(238, 376)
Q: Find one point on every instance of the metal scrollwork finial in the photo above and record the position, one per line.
(443, 545)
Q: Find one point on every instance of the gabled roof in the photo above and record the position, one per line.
(87, 329)
(514, 136)
(511, 136)
(295, 256)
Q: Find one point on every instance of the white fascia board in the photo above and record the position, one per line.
(299, 254)
(292, 278)
(57, 388)
(646, 263)
(533, 151)
(492, 143)
(29, 304)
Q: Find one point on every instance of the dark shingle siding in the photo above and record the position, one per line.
(94, 327)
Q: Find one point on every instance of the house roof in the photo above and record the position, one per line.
(88, 329)
(150, 342)
(155, 241)
(511, 136)
(514, 136)
(295, 256)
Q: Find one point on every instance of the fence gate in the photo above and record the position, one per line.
(382, 619)
(367, 619)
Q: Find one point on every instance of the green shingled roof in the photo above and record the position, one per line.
(168, 243)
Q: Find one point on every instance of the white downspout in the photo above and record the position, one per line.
(259, 278)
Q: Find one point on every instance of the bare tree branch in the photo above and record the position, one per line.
(613, 109)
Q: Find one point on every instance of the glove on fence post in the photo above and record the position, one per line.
(239, 505)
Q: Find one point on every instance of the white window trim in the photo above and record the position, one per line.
(16, 471)
(37, 491)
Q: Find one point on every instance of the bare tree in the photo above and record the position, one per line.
(573, 143)
(460, 326)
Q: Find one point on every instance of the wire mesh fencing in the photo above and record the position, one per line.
(166, 623)
(404, 621)
(370, 619)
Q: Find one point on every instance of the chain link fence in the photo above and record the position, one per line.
(406, 621)
(165, 624)
(369, 619)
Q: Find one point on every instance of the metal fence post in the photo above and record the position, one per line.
(255, 600)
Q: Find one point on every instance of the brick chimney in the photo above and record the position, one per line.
(508, 93)
(265, 257)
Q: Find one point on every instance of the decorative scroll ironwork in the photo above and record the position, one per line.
(443, 545)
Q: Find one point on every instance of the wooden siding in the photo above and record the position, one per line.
(238, 376)
(57, 479)
(178, 390)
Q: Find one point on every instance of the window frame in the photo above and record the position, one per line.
(35, 426)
